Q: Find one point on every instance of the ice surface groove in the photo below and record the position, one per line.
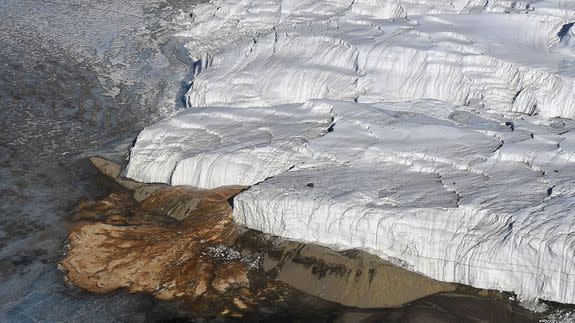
(456, 58)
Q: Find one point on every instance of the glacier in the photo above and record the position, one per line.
(211, 147)
(436, 134)
(454, 195)
(455, 58)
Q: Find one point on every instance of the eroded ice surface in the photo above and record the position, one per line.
(513, 62)
(212, 147)
(444, 191)
(452, 148)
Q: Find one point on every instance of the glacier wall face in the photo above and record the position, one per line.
(437, 134)
(211, 147)
(443, 191)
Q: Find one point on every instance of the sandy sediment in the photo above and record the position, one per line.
(353, 278)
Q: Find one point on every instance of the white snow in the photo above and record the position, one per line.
(436, 134)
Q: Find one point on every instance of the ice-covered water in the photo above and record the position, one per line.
(75, 76)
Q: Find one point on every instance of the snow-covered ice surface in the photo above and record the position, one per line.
(243, 146)
(455, 58)
(447, 192)
(452, 148)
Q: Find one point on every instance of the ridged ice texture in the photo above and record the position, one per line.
(456, 195)
(507, 62)
(213, 147)
(477, 188)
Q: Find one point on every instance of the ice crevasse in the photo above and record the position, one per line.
(436, 134)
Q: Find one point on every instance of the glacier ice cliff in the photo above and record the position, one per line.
(446, 192)
(213, 146)
(436, 134)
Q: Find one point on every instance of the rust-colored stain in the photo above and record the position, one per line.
(164, 245)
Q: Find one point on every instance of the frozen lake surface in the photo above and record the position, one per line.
(76, 77)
